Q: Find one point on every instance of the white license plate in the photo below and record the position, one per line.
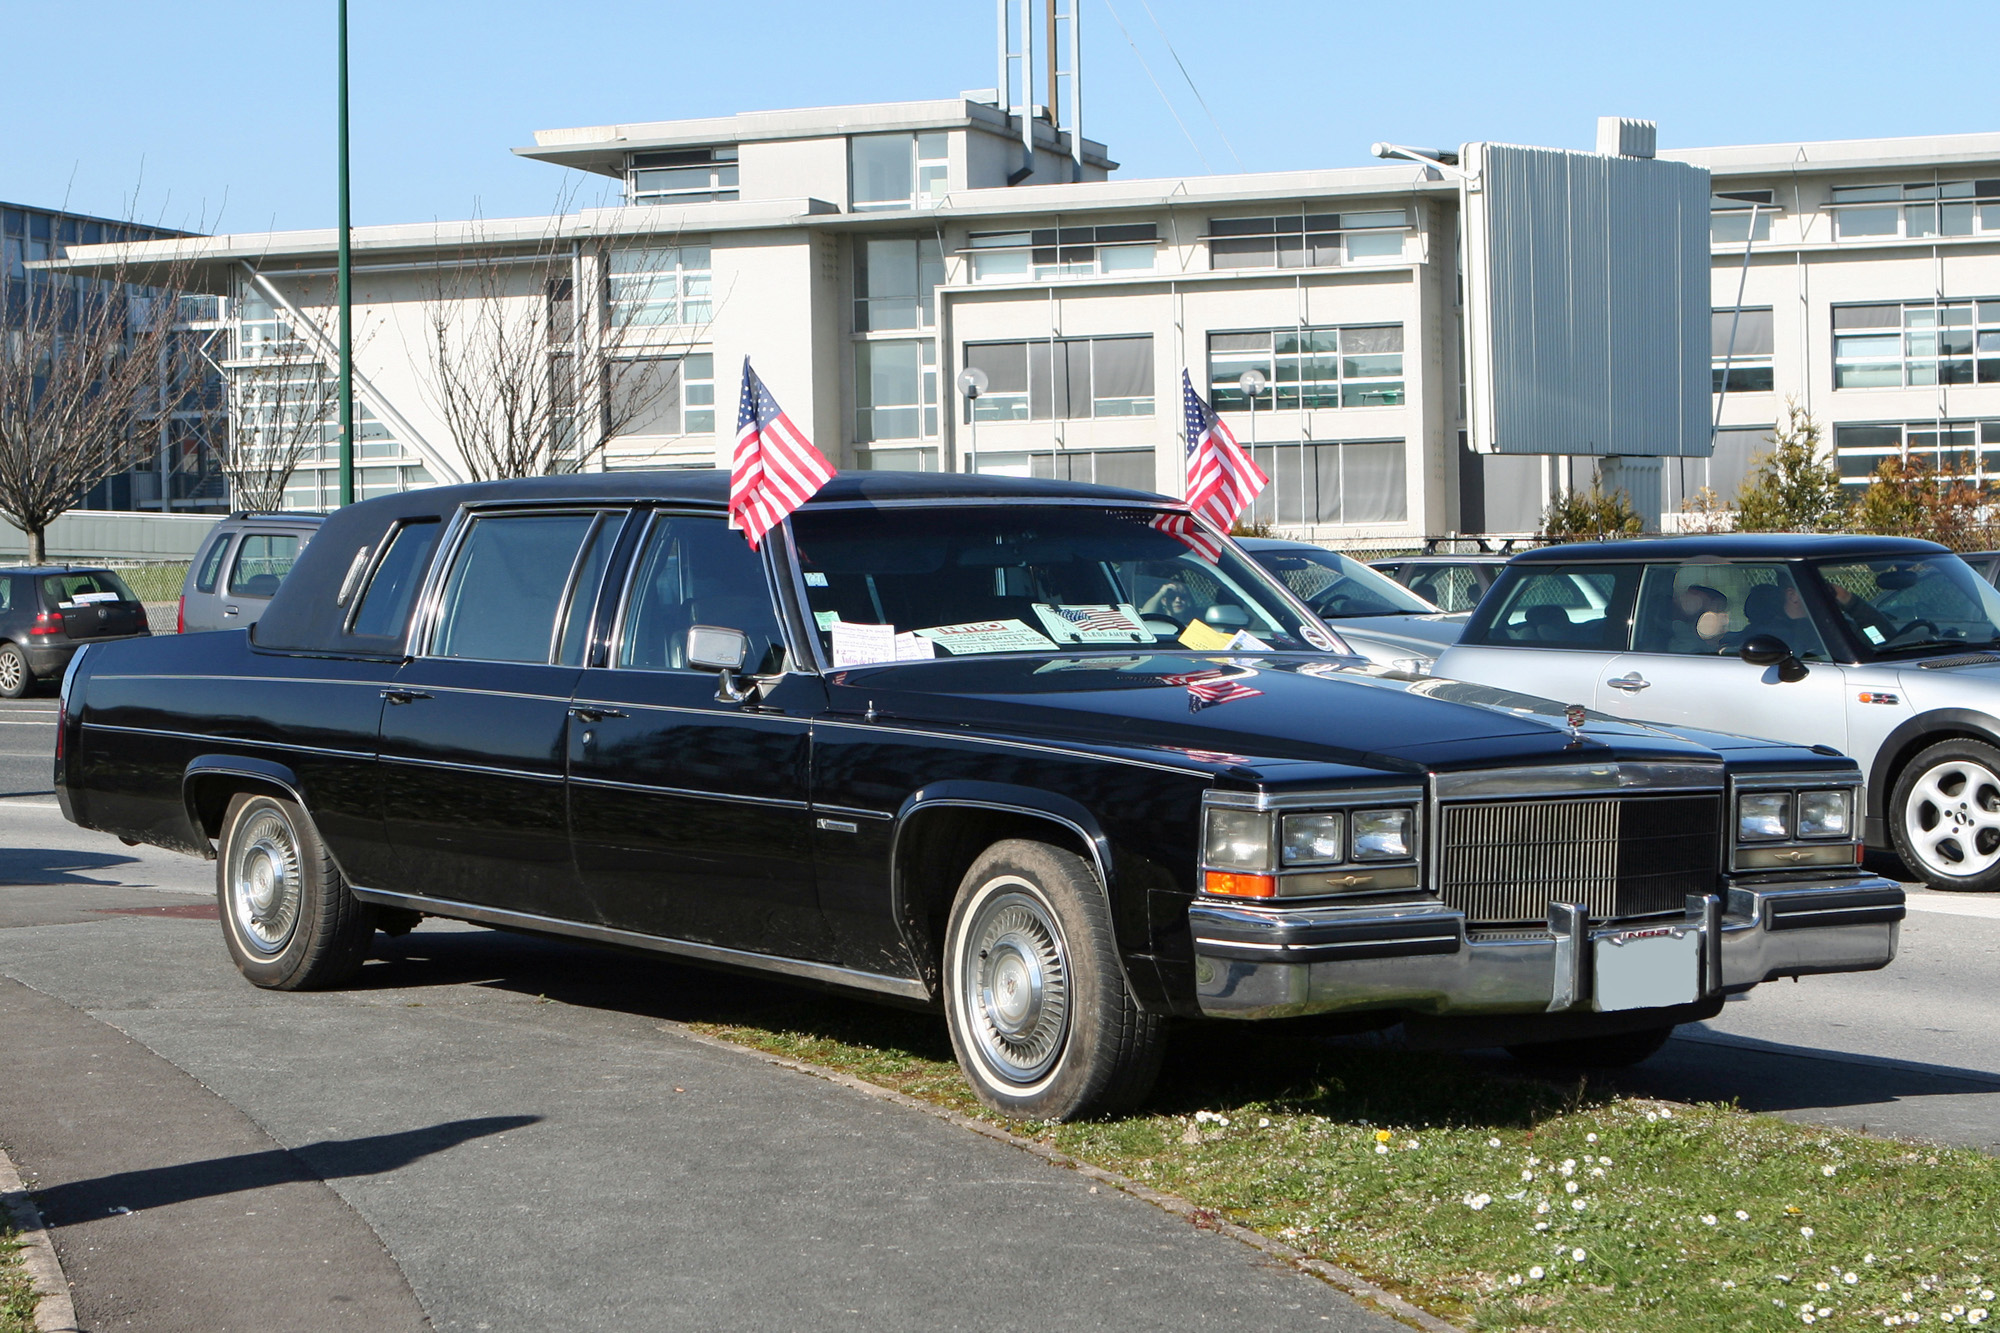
(1645, 969)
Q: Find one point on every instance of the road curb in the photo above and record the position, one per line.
(54, 1311)
(1351, 1284)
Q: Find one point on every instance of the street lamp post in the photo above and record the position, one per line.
(972, 382)
(345, 282)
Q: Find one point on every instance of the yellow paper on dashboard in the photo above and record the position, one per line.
(1205, 640)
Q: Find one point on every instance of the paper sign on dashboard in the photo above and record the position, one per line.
(1202, 639)
(858, 645)
(987, 636)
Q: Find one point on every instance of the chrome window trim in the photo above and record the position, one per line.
(1612, 777)
(615, 642)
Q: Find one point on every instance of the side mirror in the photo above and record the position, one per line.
(1770, 650)
(1226, 617)
(713, 648)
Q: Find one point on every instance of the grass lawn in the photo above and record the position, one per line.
(17, 1293)
(1501, 1202)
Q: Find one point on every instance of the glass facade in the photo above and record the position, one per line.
(1356, 365)
(1969, 448)
(1307, 240)
(1740, 216)
(659, 285)
(682, 176)
(1063, 379)
(1313, 483)
(1929, 209)
(898, 170)
(895, 282)
(895, 385)
(1063, 252)
(1740, 344)
(1898, 344)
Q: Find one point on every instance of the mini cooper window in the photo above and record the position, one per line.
(385, 606)
(1898, 605)
(506, 586)
(695, 571)
(1562, 606)
(1708, 610)
(958, 581)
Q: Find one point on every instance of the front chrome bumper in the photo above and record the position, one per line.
(1259, 962)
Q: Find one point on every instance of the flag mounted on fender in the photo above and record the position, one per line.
(776, 469)
(1222, 480)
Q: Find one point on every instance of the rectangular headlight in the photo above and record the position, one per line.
(1763, 816)
(1824, 814)
(1307, 840)
(1382, 835)
(1237, 840)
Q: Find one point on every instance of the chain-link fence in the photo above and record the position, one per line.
(157, 583)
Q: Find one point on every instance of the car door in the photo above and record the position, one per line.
(1547, 630)
(688, 812)
(476, 731)
(1692, 618)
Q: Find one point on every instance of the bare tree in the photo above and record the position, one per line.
(90, 368)
(532, 376)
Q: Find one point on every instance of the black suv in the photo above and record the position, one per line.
(48, 611)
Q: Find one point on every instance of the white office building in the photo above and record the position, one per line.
(864, 256)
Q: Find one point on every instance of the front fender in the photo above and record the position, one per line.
(1910, 736)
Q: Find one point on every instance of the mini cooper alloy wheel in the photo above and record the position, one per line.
(1951, 818)
(1016, 985)
(264, 882)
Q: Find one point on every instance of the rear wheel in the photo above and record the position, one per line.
(1041, 1020)
(1614, 1051)
(288, 917)
(15, 678)
(1945, 815)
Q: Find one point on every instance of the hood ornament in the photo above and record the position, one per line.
(1574, 717)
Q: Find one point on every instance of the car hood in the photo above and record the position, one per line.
(1402, 635)
(1287, 708)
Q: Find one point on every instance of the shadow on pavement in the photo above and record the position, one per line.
(160, 1187)
(40, 865)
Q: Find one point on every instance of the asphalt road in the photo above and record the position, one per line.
(496, 1132)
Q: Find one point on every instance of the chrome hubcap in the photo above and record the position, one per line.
(1953, 818)
(10, 671)
(1016, 987)
(264, 882)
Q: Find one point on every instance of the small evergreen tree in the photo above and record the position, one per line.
(1911, 498)
(1590, 516)
(1791, 488)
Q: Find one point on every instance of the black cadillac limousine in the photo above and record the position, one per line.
(1053, 758)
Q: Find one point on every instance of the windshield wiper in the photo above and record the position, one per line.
(1920, 645)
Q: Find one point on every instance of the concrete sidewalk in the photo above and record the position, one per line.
(444, 1142)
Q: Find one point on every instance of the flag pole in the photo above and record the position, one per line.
(345, 283)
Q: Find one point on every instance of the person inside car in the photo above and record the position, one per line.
(1701, 619)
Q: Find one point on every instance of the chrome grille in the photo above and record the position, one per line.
(1504, 862)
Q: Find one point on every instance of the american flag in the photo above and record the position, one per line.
(1222, 480)
(1183, 529)
(776, 468)
(1084, 618)
(1207, 688)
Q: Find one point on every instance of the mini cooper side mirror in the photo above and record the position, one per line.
(713, 648)
(1770, 650)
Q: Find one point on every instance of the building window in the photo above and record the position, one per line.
(1062, 252)
(1971, 449)
(897, 170)
(1350, 366)
(1307, 240)
(1063, 379)
(1748, 357)
(1730, 213)
(895, 283)
(661, 395)
(650, 286)
(1129, 468)
(682, 176)
(1331, 483)
(1895, 344)
(1946, 208)
(896, 384)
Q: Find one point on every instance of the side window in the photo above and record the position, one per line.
(1560, 606)
(6, 593)
(384, 610)
(262, 561)
(211, 562)
(506, 586)
(695, 571)
(1451, 587)
(1706, 610)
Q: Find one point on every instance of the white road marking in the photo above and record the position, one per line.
(29, 805)
(1954, 904)
(9, 722)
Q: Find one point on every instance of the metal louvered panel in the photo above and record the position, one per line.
(1506, 861)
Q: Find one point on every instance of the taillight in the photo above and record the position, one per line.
(47, 622)
(181, 615)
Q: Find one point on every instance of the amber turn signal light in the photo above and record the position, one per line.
(1239, 886)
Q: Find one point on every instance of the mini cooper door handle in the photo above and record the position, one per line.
(401, 696)
(1631, 684)
(594, 713)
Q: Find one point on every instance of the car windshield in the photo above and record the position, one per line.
(1339, 587)
(953, 581)
(1897, 606)
(82, 589)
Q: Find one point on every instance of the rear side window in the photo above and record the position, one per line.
(1559, 606)
(506, 586)
(262, 561)
(385, 607)
(6, 593)
(70, 590)
(211, 563)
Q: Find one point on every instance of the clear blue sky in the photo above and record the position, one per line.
(222, 110)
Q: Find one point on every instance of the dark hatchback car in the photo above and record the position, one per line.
(942, 739)
(48, 611)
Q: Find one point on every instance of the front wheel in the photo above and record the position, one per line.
(1041, 1019)
(1617, 1050)
(15, 678)
(1945, 815)
(287, 915)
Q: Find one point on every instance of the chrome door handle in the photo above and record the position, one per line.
(1631, 684)
(228, 610)
(594, 712)
(399, 696)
